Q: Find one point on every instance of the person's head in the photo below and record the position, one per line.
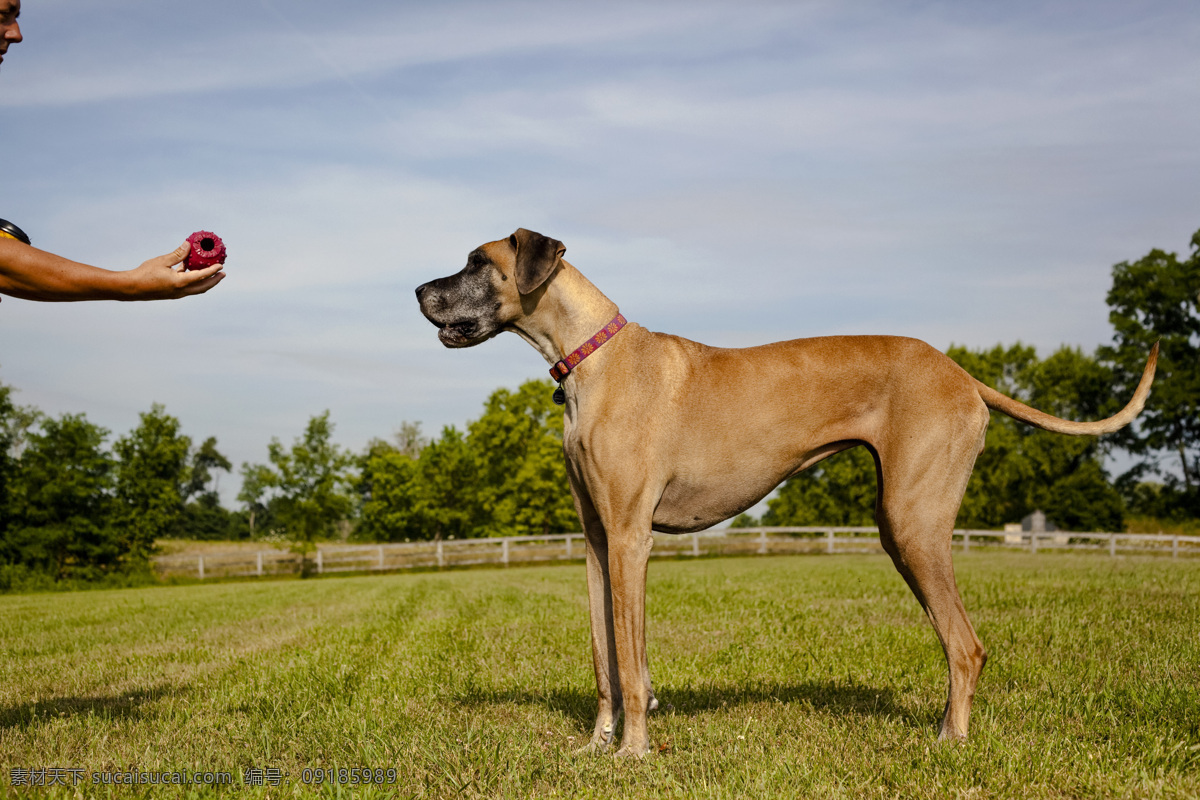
(10, 31)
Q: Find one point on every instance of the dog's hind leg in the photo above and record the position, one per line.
(917, 506)
(930, 575)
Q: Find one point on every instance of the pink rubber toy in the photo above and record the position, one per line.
(207, 249)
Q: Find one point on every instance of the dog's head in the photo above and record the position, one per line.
(500, 284)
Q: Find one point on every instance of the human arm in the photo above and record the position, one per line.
(32, 274)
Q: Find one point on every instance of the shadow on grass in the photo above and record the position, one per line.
(833, 698)
(127, 705)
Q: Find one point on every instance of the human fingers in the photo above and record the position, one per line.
(204, 284)
(192, 275)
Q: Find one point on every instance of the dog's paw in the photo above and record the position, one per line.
(633, 751)
(602, 739)
(951, 736)
(596, 746)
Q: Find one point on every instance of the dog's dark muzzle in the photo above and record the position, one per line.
(457, 326)
(432, 297)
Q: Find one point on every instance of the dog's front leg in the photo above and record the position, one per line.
(618, 551)
(628, 556)
(604, 648)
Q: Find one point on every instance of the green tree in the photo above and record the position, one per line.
(255, 496)
(206, 460)
(409, 439)
(15, 422)
(152, 469)
(388, 489)
(446, 503)
(61, 503)
(388, 492)
(838, 491)
(1022, 468)
(307, 486)
(433, 496)
(203, 516)
(505, 477)
(1157, 298)
(517, 444)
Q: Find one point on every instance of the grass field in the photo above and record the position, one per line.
(781, 677)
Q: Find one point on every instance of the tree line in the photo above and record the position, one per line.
(74, 508)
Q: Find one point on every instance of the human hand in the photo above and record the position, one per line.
(163, 278)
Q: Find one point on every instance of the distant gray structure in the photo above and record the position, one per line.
(1037, 523)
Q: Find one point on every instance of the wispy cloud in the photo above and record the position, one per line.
(229, 46)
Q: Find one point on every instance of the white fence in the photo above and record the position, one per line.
(570, 546)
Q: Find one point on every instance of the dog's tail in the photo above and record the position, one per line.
(1046, 422)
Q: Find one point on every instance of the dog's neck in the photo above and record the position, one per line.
(569, 311)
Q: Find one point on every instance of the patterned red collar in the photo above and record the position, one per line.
(563, 368)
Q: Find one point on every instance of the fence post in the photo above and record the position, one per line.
(201, 567)
(504, 549)
(1175, 545)
(695, 545)
(568, 547)
(1112, 545)
(966, 541)
(320, 562)
(829, 541)
(380, 556)
(258, 571)
(440, 559)
(762, 542)
(1033, 542)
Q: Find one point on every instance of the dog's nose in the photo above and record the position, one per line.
(421, 290)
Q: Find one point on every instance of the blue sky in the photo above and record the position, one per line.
(961, 172)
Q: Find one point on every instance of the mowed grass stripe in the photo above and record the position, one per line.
(778, 676)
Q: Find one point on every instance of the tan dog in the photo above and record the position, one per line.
(665, 434)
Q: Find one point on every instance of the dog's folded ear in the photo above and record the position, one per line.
(537, 258)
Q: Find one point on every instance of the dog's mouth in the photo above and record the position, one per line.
(459, 322)
(459, 334)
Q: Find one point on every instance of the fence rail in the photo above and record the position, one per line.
(570, 546)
